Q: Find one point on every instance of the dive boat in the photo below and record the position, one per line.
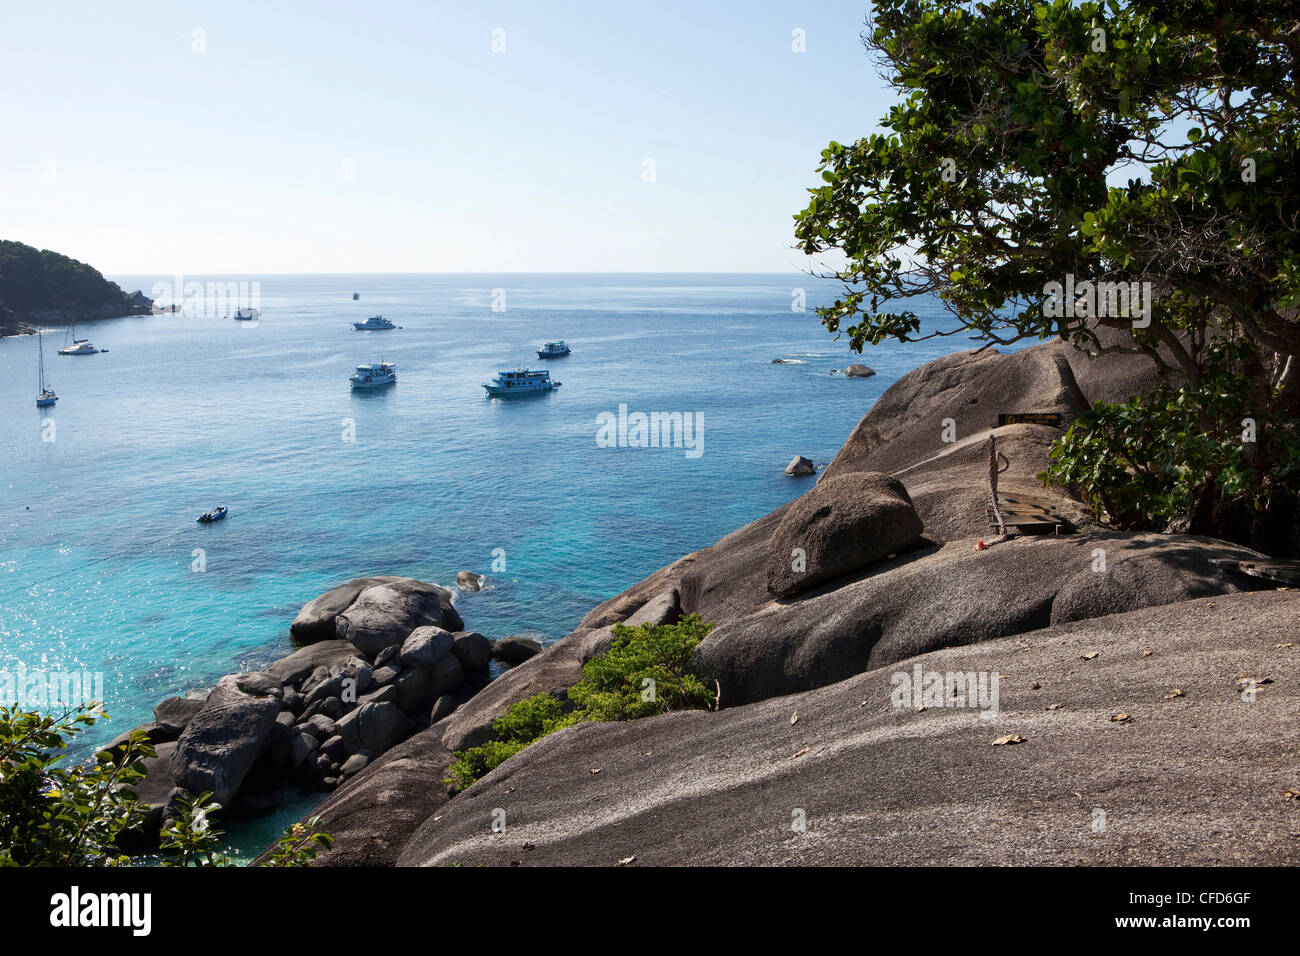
(374, 375)
(553, 350)
(46, 397)
(520, 381)
(376, 323)
(216, 514)
(248, 314)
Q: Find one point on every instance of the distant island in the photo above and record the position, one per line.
(39, 286)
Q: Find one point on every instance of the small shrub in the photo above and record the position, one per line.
(643, 673)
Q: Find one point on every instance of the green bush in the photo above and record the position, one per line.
(51, 815)
(533, 719)
(1179, 458)
(643, 673)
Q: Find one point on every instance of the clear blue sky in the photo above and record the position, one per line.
(126, 148)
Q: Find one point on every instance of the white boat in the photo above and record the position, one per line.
(374, 375)
(553, 350)
(78, 346)
(520, 381)
(376, 323)
(247, 314)
(46, 397)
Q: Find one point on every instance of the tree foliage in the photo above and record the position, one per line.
(37, 279)
(57, 815)
(52, 814)
(1108, 141)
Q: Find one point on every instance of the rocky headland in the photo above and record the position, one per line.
(40, 288)
(1141, 682)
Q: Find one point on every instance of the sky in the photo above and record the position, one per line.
(234, 137)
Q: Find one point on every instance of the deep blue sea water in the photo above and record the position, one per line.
(97, 530)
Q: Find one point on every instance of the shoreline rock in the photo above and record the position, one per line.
(800, 466)
(322, 714)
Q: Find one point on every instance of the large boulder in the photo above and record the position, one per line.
(839, 526)
(473, 650)
(516, 650)
(905, 434)
(171, 716)
(426, 646)
(327, 655)
(315, 622)
(941, 596)
(318, 619)
(375, 727)
(221, 742)
(385, 614)
(926, 787)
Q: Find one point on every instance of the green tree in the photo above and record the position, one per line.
(1113, 142)
(37, 279)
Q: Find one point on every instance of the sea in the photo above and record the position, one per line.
(104, 570)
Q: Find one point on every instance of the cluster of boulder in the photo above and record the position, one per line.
(383, 658)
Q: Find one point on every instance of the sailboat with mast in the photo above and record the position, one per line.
(46, 398)
(78, 346)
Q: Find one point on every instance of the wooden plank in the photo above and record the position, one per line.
(1028, 514)
(1281, 572)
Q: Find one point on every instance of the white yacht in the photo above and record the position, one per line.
(520, 381)
(46, 397)
(79, 347)
(376, 323)
(248, 314)
(374, 375)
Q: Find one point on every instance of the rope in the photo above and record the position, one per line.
(996, 458)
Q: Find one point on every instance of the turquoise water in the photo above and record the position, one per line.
(97, 531)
